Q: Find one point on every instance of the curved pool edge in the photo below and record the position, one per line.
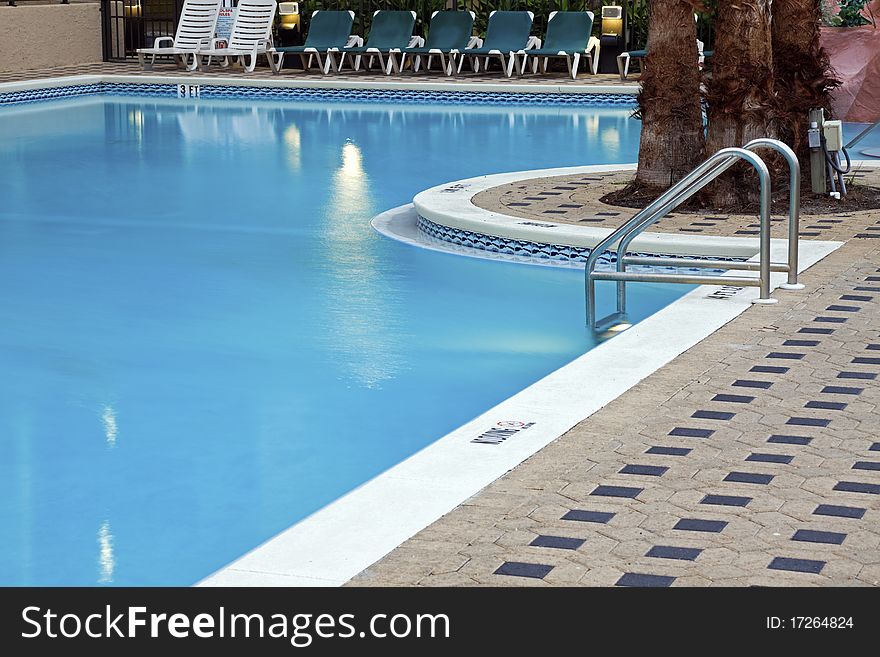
(344, 538)
(450, 205)
(402, 225)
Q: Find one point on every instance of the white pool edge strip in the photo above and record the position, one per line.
(451, 205)
(291, 81)
(339, 541)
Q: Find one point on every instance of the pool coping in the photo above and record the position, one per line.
(290, 82)
(450, 205)
(337, 542)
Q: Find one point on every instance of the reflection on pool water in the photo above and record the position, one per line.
(203, 340)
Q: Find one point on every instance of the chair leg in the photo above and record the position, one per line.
(623, 65)
(275, 64)
(508, 64)
(250, 61)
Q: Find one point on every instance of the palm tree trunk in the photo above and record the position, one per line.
(741, 92)
(804, 78)
(671, 140)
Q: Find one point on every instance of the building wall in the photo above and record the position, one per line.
(40, 36)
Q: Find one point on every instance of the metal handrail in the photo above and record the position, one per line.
(794, 196)
(685, 188)
(794, 204)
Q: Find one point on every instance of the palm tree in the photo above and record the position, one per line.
(671, 141)
(802, 72)
(740, 93)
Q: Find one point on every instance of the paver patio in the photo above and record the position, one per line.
(751, 459)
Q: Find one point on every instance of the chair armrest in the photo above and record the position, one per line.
(475, 42)
(160, 39)
(533, 42)
(354, 41)
(215, 42)
(416, 42)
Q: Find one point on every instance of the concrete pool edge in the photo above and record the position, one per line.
(289, 81)
(450, 206)
(340, 540)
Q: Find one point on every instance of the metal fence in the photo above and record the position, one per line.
(131, 24)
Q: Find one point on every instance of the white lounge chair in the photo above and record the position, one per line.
(251, 36)
(195, 29)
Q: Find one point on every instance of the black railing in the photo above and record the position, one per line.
(127, 25)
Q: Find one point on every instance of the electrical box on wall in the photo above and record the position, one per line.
(833, 135)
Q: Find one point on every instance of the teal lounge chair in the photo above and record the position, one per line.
(506, 34)
(327, 29)
(390, 33)
(448, 35)
(568, 36)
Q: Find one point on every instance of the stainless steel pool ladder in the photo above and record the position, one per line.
(671, 199)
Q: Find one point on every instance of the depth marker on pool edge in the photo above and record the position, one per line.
(501, 432)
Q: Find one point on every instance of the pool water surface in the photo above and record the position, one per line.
(202, 339)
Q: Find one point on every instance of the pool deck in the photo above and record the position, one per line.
(572, 200)
(753, 458)
(371, 78)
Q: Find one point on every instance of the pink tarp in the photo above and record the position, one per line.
(855, 56)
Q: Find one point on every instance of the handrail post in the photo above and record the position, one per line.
(794, 205)
(764, 253)
(591, 301)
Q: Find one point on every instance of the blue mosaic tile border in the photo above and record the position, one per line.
(399, 96)
(557, 252)
(96, 89)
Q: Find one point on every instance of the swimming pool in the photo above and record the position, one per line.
(203, 340)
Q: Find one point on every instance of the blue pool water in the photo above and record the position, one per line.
(870, 142)
(202, 339)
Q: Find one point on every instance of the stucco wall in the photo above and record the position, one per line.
(40, 36)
